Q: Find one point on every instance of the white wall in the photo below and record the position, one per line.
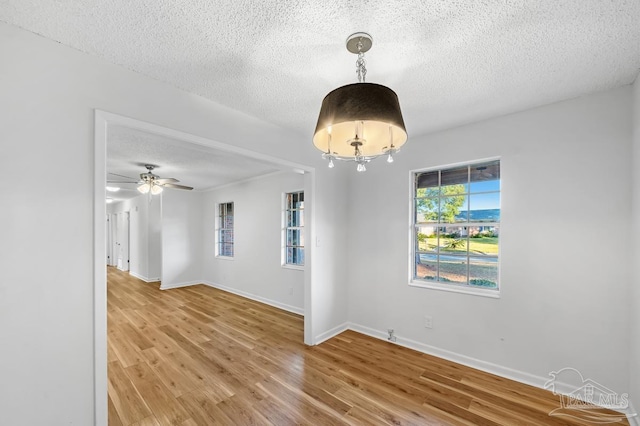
(154, 255)
(565, 273)
(181, 238)
(634, 341)
(49, 93)
(144, 235)
(255, 270)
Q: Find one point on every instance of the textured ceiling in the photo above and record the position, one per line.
(450, 61)
(200, 167)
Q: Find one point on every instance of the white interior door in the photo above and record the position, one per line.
(122, 241)
(109, 243)
(112, 240)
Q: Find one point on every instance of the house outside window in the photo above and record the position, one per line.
(456, 228)
(293, 231)
(225, 237)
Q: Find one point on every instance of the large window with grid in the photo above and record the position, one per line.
(456, 227)
(224, 246)
(294, 229)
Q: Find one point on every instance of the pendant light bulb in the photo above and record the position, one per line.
(361, 167)
(331, 165)
(144, 188)
(390, 158)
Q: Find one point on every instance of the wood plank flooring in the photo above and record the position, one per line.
(201, 356)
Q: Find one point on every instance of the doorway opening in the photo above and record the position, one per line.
(106, 122)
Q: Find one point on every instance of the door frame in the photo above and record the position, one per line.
(102, 120)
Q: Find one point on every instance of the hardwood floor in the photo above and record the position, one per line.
(201, 356)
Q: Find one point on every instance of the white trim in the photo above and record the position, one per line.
(322, 337)
(488, 367)
(294, 267)
(100, 379)
(198, 140)
(453, 288)
(143, 278)
(274, 303)
(102, 120)
(178, 285)
(224, 257)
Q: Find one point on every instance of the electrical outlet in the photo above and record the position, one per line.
(428, 321)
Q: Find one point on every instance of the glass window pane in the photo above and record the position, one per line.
(295, 237)
(485, 186)
(299, 256)
(454, 181)
(453, 268)
(484, 207)
(483, 271)
(485, 177)
(489, 171)
(427, 238)
(426, 266)
(427, 210)
(226, 236)
(453, 239)
(295, 218)
(228, 222)
(483, 240)
(453, 209)
(292, 219)
(427, 180)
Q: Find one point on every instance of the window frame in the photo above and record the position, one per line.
(413, 247)
(220, 228)
(285, 228)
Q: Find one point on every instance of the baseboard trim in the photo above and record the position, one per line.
(488, 367)
(331, 333)
(178, 285)
(143, 278)
(274, 303)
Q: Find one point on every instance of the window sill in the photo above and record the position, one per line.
(494, 294)
(294, 267)
(225, 258)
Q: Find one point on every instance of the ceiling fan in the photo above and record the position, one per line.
(154, 184)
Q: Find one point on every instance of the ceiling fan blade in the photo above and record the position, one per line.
(166, 180)
(126, 177)
(122, 181)
(173, 185)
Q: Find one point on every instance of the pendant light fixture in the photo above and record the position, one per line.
(361, 121)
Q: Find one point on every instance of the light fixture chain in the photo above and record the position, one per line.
(361, 69)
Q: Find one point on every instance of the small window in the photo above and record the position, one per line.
(294, 229)
(225, 230)
(456, 227)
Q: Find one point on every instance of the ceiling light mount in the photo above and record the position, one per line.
(364, 116)
(359, 42)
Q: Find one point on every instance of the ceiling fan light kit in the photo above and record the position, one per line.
(149, 182)
(361, 121)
